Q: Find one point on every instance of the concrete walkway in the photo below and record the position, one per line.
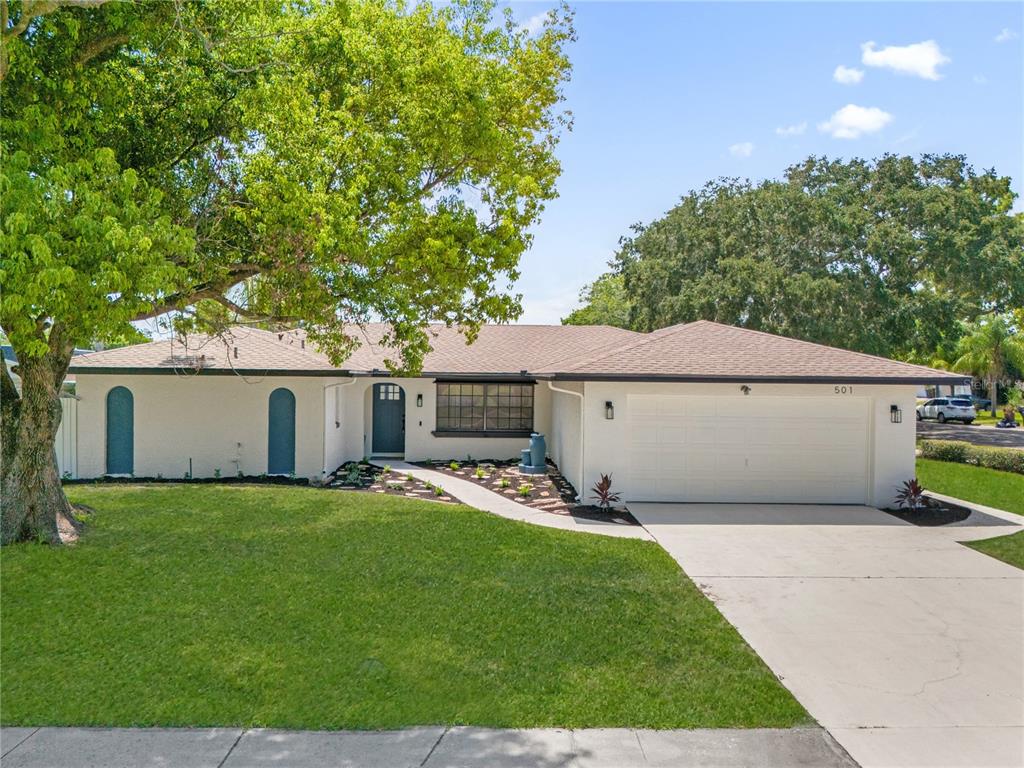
(430, 747)
(903, 643)
(487, 500)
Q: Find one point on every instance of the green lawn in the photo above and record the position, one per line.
(305, 608)
(1002, 490)
(1009, 549)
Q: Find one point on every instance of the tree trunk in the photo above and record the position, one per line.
(993, 392)
(30, 482)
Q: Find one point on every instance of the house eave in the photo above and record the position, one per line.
(714, 379)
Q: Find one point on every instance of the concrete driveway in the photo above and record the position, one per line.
(907, 646)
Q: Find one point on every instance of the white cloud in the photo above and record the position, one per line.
(743, 149)
(1006, 35)
(533, 25)
(919, 59)
(791, 130)
(848, 75)
(852, 122)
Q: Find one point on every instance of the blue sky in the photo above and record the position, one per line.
(666, 96)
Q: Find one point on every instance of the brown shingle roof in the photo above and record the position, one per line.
(241, 349)
(699, 351)
(704, 350)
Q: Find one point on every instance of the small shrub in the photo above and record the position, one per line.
(438, 490)
(453, 466)
(525, 490)
(944, 450)
(1003, 459)
(216, 473)
(911, 495)
(387, 469)
(66, 475)
(480, 474)
(352, 476)
(504, 482)
(396, 486)
(603, 492)
(410, 478)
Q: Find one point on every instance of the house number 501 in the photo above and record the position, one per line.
(844, 390)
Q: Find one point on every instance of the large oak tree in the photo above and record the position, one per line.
(888, 257)
(317, 163)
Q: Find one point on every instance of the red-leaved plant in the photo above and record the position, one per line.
(603, 492)
(911, 495)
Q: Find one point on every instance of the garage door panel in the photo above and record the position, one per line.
(747, 450)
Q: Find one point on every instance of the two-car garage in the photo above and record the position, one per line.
(747, 449)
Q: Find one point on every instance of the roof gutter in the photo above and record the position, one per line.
(553, 388)
(939, 379)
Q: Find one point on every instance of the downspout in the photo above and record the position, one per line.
(323, 447)
(553, 388)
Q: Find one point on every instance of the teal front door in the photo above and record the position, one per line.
(281, 433)
(388, 419)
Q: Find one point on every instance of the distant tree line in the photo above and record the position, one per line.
(898, 256)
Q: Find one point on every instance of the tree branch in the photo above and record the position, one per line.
(95, 47)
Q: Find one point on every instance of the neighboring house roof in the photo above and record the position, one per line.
(699, 351)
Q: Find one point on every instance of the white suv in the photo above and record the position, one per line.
(947, 409)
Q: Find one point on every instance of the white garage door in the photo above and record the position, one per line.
(746, 449)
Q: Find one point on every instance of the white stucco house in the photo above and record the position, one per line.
(694, 412)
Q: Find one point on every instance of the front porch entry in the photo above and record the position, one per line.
(388, 419)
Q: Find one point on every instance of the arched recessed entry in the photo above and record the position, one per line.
(281, 433)
(120, 432)
(388, 418)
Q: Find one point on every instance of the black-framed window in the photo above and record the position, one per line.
(484, 407)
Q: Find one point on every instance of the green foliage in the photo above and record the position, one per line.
(604, 303)
(480, 474)
(525, 489)
(885, 257)
(455, 608)
(989, 349)
(1009, 549)
(1002, 490)
(1003, 459)
(453, 466)
(301, 163)
(504, 482)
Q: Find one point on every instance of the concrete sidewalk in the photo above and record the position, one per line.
(481, 498)
(429, 747)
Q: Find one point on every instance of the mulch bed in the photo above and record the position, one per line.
(361, 476)
(933, 513)
(547, 493)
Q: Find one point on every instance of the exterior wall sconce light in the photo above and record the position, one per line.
(609, 409)
(895, 414)
(744, 389)
(419, 400)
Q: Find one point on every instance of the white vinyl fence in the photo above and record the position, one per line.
(67, 437)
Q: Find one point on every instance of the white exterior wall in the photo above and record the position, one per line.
(220, 422)
(66, 442)
(565, 438)
(890, 457)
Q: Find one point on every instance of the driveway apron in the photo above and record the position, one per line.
(906, 645)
